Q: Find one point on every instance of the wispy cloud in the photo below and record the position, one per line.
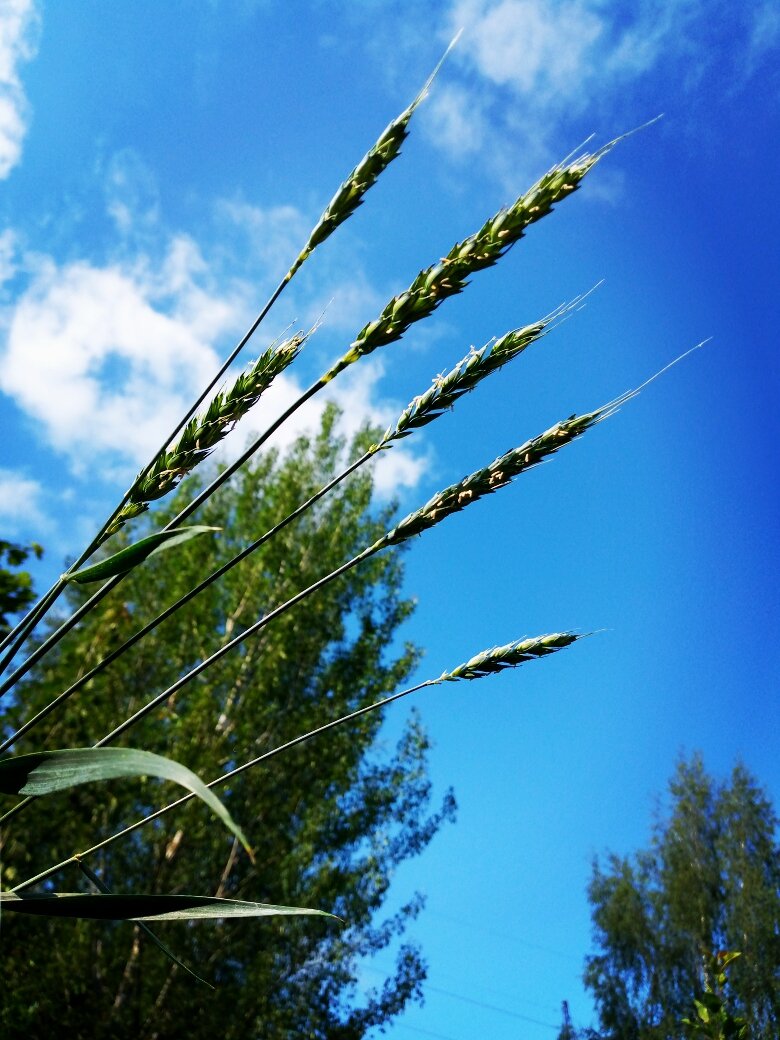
(132, 196)
(269, 237)
(18, 43)
(8, 249)
(21, 504)
(92, 356)
(525, 71)
(764, 32)
(106, 356)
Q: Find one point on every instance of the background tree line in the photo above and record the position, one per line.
(709, 881)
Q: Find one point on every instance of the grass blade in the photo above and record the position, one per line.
(100, 907)
(45, 772)
(129, 557)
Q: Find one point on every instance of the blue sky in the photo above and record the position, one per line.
(161, 164)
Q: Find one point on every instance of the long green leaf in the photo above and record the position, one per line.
(132, 555)
(144, 908)
(44, 772)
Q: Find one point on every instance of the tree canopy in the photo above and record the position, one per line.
(16, 590)
(709, 881)
(330, 820)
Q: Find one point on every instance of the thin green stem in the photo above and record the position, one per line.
(102, 592)
(487, 662)
(214, 576)
(15, 639)
(219, 780)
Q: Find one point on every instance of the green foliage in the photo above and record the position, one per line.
(710, 880)
(16, 591)
(713, 1019)
(330, 820)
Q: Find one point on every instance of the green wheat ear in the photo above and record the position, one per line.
(469, 372)
(499, 658)
(364, 176)
(203, 432)
(498, 474)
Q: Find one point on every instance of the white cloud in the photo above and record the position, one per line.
(457, 120)
(8, 248)
(21, 504)
(764, 31)
(271, 237)
(18, 41)
(106, 358)
(94, 360)
(536, 48)
(525, 71)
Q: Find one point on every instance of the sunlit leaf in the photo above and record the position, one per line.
(144, 908)
(45, 772)
(132, 555)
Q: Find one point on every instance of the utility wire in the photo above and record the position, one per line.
(489, 1007)
(503, 935)
(378, 970)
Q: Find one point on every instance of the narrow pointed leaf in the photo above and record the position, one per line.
(45, 772)
(144, 908)
(132, 555)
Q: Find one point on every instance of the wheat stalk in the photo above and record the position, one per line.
(488, 662)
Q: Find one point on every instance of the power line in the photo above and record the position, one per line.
(504, 935)
(424, 1032)
(469, 1000)
(515, 997)
(490, 1007)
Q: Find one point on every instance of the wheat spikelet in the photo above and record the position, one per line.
(364, 176)
(482, 249)
(490, 662)
(203, 432)
(468, 373)
(499, 473)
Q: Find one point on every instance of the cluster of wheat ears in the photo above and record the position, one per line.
(193, 439)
